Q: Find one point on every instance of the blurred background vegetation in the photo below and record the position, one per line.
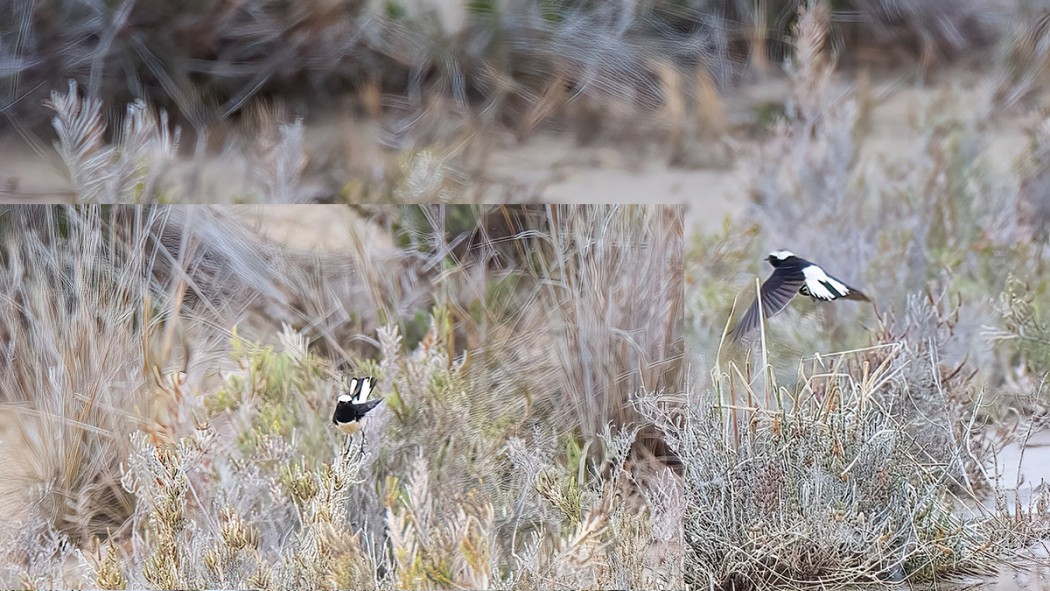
(208, 60)
(438, 100)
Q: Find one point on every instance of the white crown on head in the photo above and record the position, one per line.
(781, 254)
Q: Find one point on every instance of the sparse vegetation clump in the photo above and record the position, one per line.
(865, 466)
(825, 486)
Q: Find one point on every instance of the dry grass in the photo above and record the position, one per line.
(230, 475)
(210, 61)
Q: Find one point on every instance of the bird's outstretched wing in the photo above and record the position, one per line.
(775, 293)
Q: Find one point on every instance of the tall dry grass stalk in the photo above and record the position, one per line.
(589, 299)
(74, 371)
(614, 298)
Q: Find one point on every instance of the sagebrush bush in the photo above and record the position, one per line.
(833, 481)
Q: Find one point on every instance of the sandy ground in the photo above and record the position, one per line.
(1025, 473)
(567, 173)
(314, 228)
(29, 175)
(570, 173)
(1027, 467)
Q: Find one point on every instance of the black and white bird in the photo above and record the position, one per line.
(792, 275)
(353, 405)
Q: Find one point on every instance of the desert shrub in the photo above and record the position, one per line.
(457, 416)
(259, 494)
(825, 482)
(383, 511)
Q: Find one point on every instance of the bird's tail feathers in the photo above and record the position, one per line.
(856, 295)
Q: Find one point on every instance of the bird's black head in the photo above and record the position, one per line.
(777, 257)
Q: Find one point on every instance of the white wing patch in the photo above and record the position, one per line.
(820, 285)
(782, 254)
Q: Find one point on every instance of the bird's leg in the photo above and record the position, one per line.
(349, 445)
(360, 446)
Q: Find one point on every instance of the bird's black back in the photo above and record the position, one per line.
(792, 264)
(346, 412)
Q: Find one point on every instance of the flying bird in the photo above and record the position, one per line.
(353, 405)
(792, 275)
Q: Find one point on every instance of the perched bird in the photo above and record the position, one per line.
(354, 404)
(792, 275)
